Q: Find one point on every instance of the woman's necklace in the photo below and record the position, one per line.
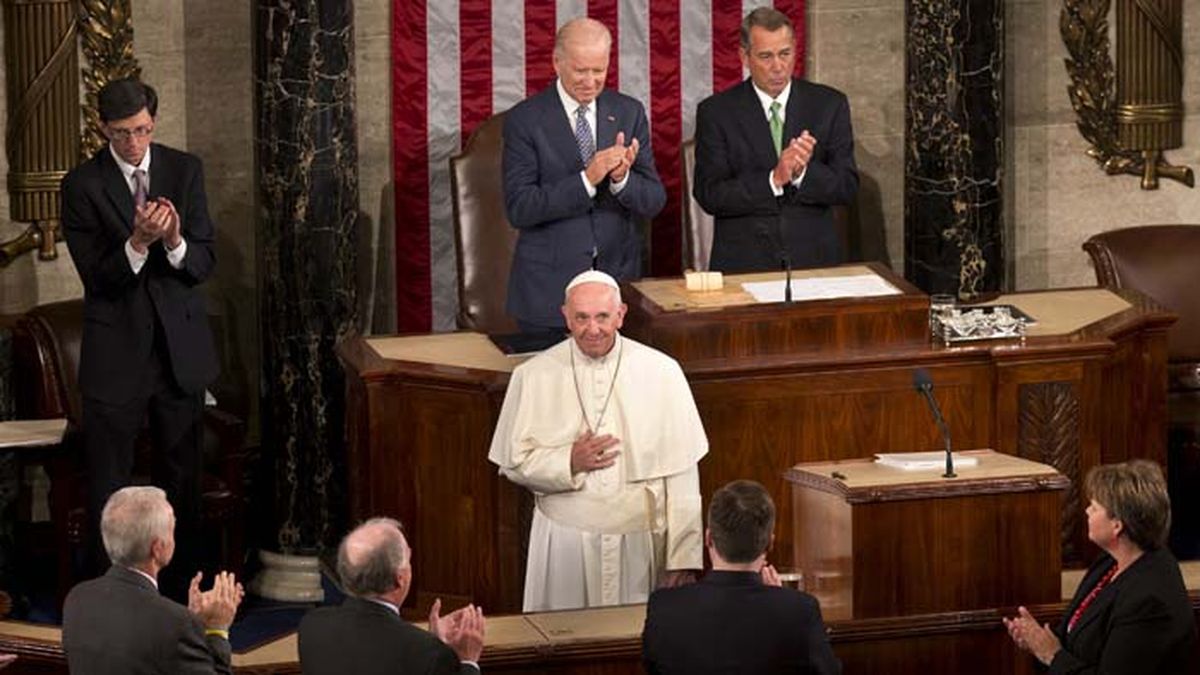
(611, 386)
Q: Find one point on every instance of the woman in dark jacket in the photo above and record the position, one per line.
(1131, 613)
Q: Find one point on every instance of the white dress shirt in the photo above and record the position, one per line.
(138, 260)
(765, 101)
(570, 106)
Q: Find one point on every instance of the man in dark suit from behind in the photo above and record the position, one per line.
(365, 634)
(578, 176)
(118, 624)
(774, 153)
(738, 619)
(136, 222)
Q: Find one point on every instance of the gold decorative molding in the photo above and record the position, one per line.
(1130, 112)
(41, 135)
(106, 37)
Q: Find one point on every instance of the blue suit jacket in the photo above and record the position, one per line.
(546, 201)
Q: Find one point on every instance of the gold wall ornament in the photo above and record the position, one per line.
(41, 139)
(106, 37)
(1132, 112)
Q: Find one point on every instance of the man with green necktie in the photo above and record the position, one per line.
(773, 155)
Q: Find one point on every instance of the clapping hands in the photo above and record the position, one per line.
(461, 629)
(1036, 639)
(794, 158)
(156, 220)
(217, 606)
(613, 162)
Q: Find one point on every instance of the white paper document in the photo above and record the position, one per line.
(822, 288)
(923, 461)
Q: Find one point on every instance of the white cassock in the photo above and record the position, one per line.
(603, 537)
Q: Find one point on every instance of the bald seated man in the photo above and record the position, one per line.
(365, 634)
(603, 430)
(578, 176)
(119, 624)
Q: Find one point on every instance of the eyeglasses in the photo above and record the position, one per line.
(126, 134)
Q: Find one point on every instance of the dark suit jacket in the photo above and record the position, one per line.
(546, 201)
(361, 637)
(730, 622)
(734, 157)
(118, 624)
(1140, 624)
(120, 308)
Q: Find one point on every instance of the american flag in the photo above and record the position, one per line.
(457, 62)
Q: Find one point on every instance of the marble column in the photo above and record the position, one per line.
(307, 218)
(954, 146)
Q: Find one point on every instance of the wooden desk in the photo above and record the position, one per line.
(420, 422)
(874, 541)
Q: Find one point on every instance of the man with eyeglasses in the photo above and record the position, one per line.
(137, 226)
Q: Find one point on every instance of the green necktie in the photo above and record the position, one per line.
(776, 127)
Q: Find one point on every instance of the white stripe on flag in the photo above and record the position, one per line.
(633, 30)
(751, 5)
(444, 119)
(508, 54)
(695, 38)
(569, 9)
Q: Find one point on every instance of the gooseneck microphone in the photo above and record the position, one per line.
(923, 383)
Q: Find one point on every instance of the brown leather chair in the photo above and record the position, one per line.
(1161, 262)
(46, 343)
(484, 237)
(698, 224)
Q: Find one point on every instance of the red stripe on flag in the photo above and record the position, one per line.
(726, 36)
(795, 11)
(475, 64)
(540, 25)
(410, 153)
(605, 11)
(666, 134)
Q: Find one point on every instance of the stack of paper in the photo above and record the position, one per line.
(922, 461)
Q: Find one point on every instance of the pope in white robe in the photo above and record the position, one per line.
(605, 433)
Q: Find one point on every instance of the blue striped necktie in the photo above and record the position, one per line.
(583, 135)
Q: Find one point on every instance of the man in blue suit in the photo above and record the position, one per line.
(578, 175)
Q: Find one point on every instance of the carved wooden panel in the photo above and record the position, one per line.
(1048, 432)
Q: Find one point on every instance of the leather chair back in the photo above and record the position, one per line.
(697, 223)
(484, 237)
(46, 345)
(1160, 261)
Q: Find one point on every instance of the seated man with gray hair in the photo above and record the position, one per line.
(118, 623)
(365, 634)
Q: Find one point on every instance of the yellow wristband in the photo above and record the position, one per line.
(218, 632)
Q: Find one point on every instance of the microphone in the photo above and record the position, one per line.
(923, 383)
(785, 259)
(775, 240)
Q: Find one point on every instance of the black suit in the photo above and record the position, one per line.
(119, 624)
(361, 637)
(730, 622)
(147, 346)
(545, 199)
(734, 158)
(1140, 624)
